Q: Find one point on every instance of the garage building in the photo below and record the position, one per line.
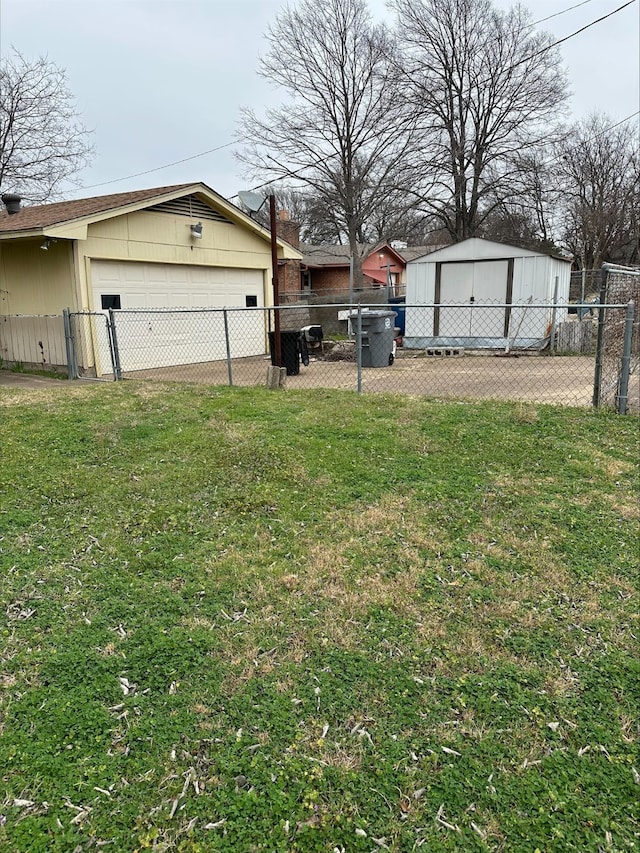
(171, 247)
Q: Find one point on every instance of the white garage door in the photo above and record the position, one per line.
(151, 338)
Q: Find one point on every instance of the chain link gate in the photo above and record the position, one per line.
(92, 345)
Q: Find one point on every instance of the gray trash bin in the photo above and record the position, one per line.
(378, 335)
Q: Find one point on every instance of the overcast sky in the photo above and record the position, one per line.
(163, 80)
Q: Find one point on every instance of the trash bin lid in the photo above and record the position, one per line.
(354, 314)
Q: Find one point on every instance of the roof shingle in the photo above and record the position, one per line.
(45, 215)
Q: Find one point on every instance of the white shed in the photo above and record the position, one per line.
(480, 294)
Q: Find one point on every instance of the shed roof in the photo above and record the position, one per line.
(477, 248)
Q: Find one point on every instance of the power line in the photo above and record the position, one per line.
(562, 12)
(293, 174)
(572, 35)
(158, 168)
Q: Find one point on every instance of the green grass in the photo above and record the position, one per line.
(241, 620)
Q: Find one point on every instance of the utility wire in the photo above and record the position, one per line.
(293, 174)
(557, 14)
(572, 35)
(158, 168)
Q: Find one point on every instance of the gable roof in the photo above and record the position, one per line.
(39, 219)
(325, 255)
(338, 255)
(57, 213)
(479, 248)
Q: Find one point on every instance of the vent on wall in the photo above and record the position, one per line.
(191, 206)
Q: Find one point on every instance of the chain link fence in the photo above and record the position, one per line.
(528, 352)
(617, 376)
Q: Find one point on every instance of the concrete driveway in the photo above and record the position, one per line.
(27, 380)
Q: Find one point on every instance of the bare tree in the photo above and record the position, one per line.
(42, 141)
(529, 217)
(489, 89)
(344, 132)
(599, 168)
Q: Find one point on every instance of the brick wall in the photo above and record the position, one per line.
(333, 278)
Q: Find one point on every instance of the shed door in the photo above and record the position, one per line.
(489, 286)
(183, 336)
(475, 285)
(456, 288)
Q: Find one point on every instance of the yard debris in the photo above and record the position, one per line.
(381, 842)
(450, 751)
(190, 776)
(216, 824)
(238, 616)
(23, 804)
(479, 831)
(81, 815)
(17, 613)
(126, 686)
(440, 819)
(361, 833)
(553, 726)
(636, 775)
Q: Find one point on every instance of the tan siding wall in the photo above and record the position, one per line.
(33, 281)
(163, 238)
(33, 341)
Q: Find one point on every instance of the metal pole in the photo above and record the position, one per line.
(597, 377)
(68, 342)
(277, 347)
(359, 348)
(351, 280)
(625, 363)
(553, 316)
(115, 352)
(228, 345)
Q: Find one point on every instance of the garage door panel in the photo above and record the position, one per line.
(180, 337)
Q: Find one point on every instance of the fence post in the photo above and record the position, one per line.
(72, 370)
(554, 317)
(228, 345)
(625, 363)
(115, 352)
(597, 378)
(359, 347)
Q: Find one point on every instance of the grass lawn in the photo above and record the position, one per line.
(242, 620)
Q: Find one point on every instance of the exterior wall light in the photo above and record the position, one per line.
(196, 231)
